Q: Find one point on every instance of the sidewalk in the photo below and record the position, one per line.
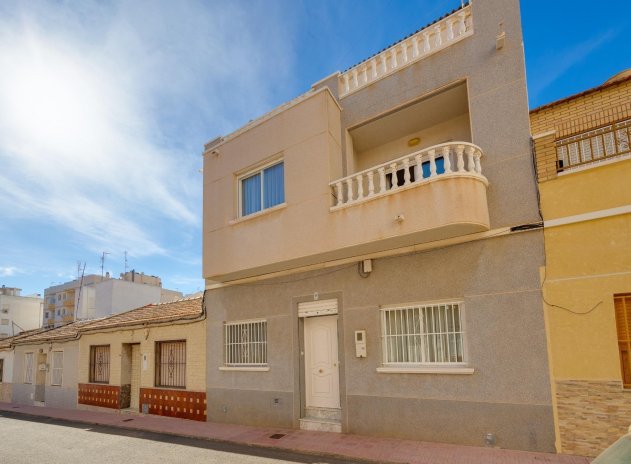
(383, 450)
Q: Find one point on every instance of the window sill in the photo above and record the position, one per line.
(461, 370)
(257, 214)
(244, 368)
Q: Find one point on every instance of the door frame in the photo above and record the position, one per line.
(299, 358)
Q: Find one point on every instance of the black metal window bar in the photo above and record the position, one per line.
(596, 145)
(100, 364)
(171, 364)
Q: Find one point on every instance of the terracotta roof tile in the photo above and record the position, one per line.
(189, 308)
(68, 331)
(6, 342)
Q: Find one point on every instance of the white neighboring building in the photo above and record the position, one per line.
(95, 296)
(18, 313)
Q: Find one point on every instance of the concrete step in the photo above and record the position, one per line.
(324, 413)
(320, 425)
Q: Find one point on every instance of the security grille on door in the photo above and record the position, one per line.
(171, 364)
(245, 343)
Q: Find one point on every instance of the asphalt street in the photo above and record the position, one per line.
(27, 440)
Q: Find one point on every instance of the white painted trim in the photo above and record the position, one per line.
(270, 114)
(426, 370)
(544, 134)
(257, 214)
(243, 369)
(603, 213)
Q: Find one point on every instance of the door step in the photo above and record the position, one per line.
(39, 403)
(322, 420)
(334, 414)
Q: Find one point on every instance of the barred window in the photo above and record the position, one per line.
(28, 368)
(245, 343)
(171, 364)
(58, 368)
(423, 334)
(100, 364)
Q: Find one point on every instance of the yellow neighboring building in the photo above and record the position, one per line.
(151, 359)
(584, 173)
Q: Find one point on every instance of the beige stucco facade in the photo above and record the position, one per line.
(147, 337)
(425, 169)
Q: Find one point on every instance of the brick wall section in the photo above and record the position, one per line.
(174, 403)
(546, 157)
(592, 415)
(592, 109)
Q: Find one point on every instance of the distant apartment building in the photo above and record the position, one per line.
(18, 313)
(95, 296)
(583, 155)
(372, 248)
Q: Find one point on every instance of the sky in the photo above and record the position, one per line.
(105, 107)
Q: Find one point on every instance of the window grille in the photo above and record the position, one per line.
(58, 368)
(100, 364)
(28, 368)
(171, 364)
(245, 343)
(423, 334)
(595, 145)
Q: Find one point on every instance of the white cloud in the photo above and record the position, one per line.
(104, 109)
(8, 271)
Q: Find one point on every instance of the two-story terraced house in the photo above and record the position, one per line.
(372, 248)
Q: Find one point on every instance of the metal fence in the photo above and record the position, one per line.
(596, 145)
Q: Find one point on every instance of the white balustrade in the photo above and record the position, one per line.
(420, 167)
(425, 42)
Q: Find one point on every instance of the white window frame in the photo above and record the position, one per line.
(29, 359)
(253, 172)
(421, 350)
(230, 345)
(57, 371)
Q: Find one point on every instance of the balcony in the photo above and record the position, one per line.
(439, 162)
(427, 41)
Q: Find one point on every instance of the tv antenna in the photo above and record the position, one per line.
(125, 261)
(103, 262)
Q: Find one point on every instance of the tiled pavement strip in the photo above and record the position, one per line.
(383, 450)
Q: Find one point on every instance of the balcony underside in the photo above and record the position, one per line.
(446, 208)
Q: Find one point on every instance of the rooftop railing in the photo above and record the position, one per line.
(425, 42)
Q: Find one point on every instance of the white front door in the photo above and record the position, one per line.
(322, 375)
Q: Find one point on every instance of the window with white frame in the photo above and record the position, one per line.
(262, 189)
(423, 334)
(245, 343)
(58, 368)
(28, 368)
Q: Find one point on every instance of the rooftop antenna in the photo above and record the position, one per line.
(82, 270)
(103, 263)
(125, 261)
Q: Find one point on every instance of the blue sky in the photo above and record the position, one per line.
(105, 107)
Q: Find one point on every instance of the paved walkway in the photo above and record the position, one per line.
(382, 450)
